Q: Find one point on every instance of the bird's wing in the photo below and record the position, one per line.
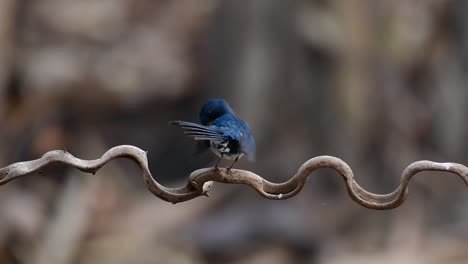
(199, 132)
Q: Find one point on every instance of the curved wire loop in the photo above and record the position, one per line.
(200, 181)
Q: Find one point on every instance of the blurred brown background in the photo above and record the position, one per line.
(377, 83)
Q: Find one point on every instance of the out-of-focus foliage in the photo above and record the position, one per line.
(377, 83)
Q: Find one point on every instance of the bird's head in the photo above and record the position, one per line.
(213, 109)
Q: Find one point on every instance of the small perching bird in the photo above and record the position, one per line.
(228, 136)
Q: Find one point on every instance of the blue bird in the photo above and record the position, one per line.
(227, 136)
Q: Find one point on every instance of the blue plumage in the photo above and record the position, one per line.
(228, 136)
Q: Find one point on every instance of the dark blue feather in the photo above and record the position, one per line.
(222, 131)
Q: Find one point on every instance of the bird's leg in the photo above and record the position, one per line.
(235, 160)
(217, 163)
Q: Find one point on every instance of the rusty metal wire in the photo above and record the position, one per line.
(200, 181)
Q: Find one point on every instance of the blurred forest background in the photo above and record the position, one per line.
(377, 83)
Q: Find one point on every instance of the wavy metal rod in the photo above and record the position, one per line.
(200, 181)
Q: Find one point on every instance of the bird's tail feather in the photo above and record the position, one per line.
(198, 132)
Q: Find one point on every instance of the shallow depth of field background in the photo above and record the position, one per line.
(377, 83)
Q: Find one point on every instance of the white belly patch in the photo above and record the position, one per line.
(221, 149)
